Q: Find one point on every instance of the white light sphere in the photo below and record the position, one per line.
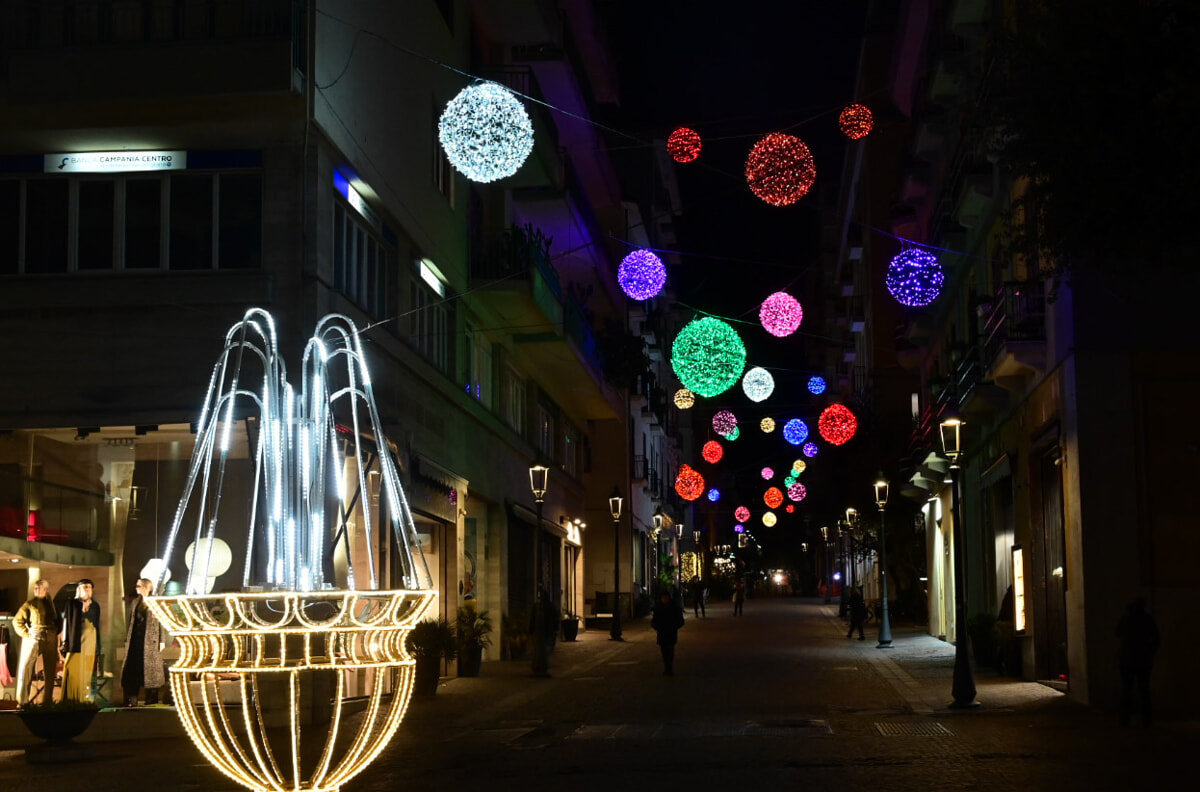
(758, 384)
(153, 569)
(485, 132)
(209, 565)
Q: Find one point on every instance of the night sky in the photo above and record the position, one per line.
(734, 76)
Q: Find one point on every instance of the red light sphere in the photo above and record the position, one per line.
(773, 497)
(837, 424)
(712, 452)
(790, 508)
(780, 169)
(684, 145)
(741, 513)
(689, 483)
(856, 121)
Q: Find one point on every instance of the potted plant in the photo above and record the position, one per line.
(58, 722)
(570, 625)
(430, 642)
(515, 635)
(473, 629)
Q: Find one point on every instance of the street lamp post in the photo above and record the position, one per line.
(843, 602)
(828, 576)
(851, 513)
(885, 624)
(679, 562)
(614, 506)
(538, 476)
(657, 520)
(963, 685)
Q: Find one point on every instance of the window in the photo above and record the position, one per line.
(362, 263)
(429, 328)
(443, 172)
(514, 400)
(478, 373)
(547, 437)
(572, 448)
(58, 224)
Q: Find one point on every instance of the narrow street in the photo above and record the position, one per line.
(778, 696)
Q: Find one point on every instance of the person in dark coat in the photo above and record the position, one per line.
(143, 650)
(698, 588)
(858, 613)
(666, 619)
(1139, 637)
(80, 640)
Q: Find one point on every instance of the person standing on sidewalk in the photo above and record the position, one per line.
(143, 665)
(666, 619)
(858, 613)
(38, 625)
(739, 596)
(698, 597)
(1139, 636)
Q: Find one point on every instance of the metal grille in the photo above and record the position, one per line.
(913, 730)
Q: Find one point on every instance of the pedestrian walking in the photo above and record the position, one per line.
(1139, 637)
(666, 619)
(739, 596)
(858, 612)
(143, 667)
(698, 590)
(38, 625)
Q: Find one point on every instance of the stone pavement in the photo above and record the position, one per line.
(1011, 726)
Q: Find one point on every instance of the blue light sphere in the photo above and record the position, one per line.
(795, 431)
(485, 132)
(915, 278)
(714, 494)
(810, 450)
(739, 528)
(816, 385)
(641, 275)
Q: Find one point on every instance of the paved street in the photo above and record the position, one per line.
(778, 696)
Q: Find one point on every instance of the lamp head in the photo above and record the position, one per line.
(951, 426)
(881, 491)
(657, 519)
(539, 476)
(614, 504)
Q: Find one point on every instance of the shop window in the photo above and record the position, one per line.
(191, 234)
(95, 223)
(45, 223)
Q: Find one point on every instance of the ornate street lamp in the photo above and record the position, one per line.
(963, 686)
(851, 514)
(885, 624)
(614, 506)
(657, 520)
(538, 479)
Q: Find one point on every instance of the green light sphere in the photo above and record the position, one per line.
(708, 356)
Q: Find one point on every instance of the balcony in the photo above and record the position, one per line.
(514, 277)
(545, 166)
(640, 471)
(1014, 338)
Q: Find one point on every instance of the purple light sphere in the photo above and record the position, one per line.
(810, 450)
(915, 278)
(642, 275)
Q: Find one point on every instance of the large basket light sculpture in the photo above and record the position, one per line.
(249, 656)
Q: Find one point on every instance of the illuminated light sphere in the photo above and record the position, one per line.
(712, 452)
(739, 528)
(684, 399)
(790, 508)
(780, 169)
(714, 494)
(485, 132)
(708, 356)
(683, 145)
(810, 450)
(734, 434)
(769, 519)
(758, 383)
(689, 483)
(780, 314)
(773, 497)
(767, 425)
(915, 278)
(856, 121)
(837, 424)
(798, 466)
(741, 513)
(768, 473)
(724, 422)
(797, 492)
(641, 274)
(789, 480)
(795, 431)
(816, 385)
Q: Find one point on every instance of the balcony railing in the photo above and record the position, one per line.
(1018, 315)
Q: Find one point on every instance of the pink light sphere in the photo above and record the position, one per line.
(768, 473)
(780, 314)
(724, 422)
